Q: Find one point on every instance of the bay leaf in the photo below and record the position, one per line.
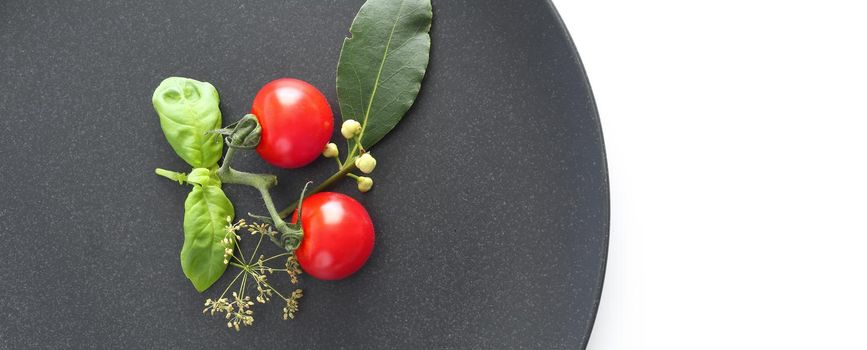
(382, 64)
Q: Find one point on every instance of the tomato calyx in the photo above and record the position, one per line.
(292, 234)
(244, 133)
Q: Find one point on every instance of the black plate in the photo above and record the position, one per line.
(490, 205)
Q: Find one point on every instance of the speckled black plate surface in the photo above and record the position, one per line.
(490, 206)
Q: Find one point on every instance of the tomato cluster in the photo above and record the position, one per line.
(297, 123)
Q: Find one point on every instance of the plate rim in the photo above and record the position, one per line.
(606, 203)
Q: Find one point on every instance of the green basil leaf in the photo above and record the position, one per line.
(188, 109)
(205, 212)
(382, 64)
(204, 177)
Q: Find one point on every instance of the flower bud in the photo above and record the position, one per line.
(330, 150)
(365, 163)
(364, 183)
(350, 129)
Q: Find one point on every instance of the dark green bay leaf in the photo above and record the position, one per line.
(382, 64)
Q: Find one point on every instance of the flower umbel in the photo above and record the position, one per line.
(254, 272)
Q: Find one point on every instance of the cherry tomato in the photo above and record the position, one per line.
(296, 122)
(338, 236)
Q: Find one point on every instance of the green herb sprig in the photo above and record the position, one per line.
(379, 76)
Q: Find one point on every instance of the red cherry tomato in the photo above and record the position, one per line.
(296, 122)
(338, 236)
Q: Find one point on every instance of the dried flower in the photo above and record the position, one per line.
(292, 304)
(293, 268)
(254, 272)
(261, 228)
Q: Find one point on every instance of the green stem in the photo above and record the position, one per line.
(290, 235)
(228, 158)
(232, 176)
(172, 175)
(261, 182)
(357, 145)
(347, 167)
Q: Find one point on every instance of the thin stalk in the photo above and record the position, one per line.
(269, 204)
(275, 256)
(347, 167)
(230, 284)
(240, 251)
(253, 256)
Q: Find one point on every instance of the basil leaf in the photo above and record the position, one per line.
(188, 109)
(205, 213)
(204, 177)
(382, 64)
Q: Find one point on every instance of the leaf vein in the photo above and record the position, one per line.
(379, 73)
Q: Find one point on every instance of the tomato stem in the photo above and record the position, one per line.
(262, 183)
(290, 235)
(232, 176)
(348, 166)
(301, 202)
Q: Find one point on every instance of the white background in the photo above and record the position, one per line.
(736, 134)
